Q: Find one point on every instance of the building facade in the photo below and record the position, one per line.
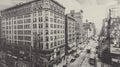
(78, 16)
(70, 33)
(38, 23)
(91, 30)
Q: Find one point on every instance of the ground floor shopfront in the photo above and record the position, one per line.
(115, 58)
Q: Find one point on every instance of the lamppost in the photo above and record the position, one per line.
(108, 35)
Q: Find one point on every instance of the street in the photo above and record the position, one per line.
(83, 59)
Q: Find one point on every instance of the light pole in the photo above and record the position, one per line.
(108, 34)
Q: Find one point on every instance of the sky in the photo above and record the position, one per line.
(93, 10)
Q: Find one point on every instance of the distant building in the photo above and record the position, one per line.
(92, 30)
(38, 23)
(89, 30)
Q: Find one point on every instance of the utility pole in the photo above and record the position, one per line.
(87, 32)
(66, 41)
(108, 35)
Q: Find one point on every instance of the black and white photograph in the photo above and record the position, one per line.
(59, 33)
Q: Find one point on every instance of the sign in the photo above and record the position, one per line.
(115, 43)
(115, 60)
(115, 47)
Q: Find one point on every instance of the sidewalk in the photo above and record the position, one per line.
(69, 58)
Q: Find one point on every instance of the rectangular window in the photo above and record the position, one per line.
(20, 21)
(47, 25)
(51, 45)
(51, 13)
(15, 27)
(27, 15)
(28, 38)
(41, 25)
(20, 32)
(46, 12)
(47, 39)
(9, 23)
(26, 26)
(34, 19)
(27, 21)
(34, 14)
(51, 38)
(46, 18)
(40, 13)
(40, 19)
(9, 32)
(51, 19)
(47, 32)
(47, 46)
(20, 37)
(14, 22)
(27, 43)
(19, 17)
(51, 25)
(15, 37)
(15, 32)
(34, 25)
(27, 32)
(20, 26)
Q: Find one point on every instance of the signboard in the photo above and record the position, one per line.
(115, 46)
(115, 38)
(115, 60)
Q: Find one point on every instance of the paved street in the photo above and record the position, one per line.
(82, 60)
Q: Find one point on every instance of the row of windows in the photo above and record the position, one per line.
(47, 26)
(35, 20)
(21, 27)
(27, 32)
(20, 21)
(52, 32)
(51, 38)
(52, 44)
(47, 12)
(28, 38)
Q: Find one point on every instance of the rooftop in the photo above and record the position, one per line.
(22, 4)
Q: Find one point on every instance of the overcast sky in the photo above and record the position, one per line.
(94, 10)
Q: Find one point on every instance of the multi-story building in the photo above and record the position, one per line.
(115, 40)
(44, 19)
(91, 30)
(85, 32)
(70, 34)
(78, 25)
